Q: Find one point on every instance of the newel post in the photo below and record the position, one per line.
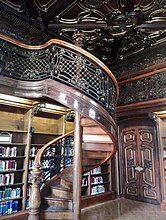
(35, 197)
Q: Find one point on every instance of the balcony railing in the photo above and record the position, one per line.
(63, 62)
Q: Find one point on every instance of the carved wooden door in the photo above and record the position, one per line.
(141, 168)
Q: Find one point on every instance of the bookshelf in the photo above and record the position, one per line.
(25, 127)
(14, 144)
(46, 125)
(97, 180)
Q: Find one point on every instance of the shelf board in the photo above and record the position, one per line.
(12, 171)
(9, 199)
(47, 133)
(16, 158)
(13, 144)
(99, 174)
(11, 185)
(37, 145)
(13, 130)
(96, 184)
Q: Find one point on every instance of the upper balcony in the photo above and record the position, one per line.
(76, 72)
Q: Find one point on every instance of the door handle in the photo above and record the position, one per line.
(139, 169)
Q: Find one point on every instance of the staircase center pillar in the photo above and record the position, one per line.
(77, 167)
(77, 163)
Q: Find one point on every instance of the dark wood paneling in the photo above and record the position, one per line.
(140, 158)
(100, 198)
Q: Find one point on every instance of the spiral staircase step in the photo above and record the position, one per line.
(56, 202)
(61, 191)
(56, 214)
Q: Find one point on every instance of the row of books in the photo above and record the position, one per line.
(69, 151)
(7, 179)
(6, 165)
(27, 204)
(8, 151)
(164, 163)
(28, 190)
(96, 179)
(84, 182)
(9, 193)
(29, 178)
(164, 153)
(33, 151)
(8, 207)
(96, 170)
(68, 162)
(97, 189)
(31, 164)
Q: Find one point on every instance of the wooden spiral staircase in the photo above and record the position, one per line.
(97, 147)
(75, 78)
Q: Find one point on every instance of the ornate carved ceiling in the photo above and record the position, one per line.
(112, 29)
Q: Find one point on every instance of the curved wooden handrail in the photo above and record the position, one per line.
(69, 46)
(43, 149)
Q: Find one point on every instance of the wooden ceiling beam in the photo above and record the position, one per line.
(95, 25)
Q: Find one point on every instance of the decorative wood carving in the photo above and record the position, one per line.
(113, 30)
(22, 29)
(150, 57)
(141, 169)
(129, 141)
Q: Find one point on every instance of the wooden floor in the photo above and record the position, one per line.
(123, 209)
(119, 209)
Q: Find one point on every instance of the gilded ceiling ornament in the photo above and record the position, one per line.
(18, 5)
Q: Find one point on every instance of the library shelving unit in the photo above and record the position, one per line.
(14, 146)
(97, 180)
(162, 140)
(46, 124)
(25, 126)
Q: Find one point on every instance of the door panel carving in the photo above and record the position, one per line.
(130, 161)
(148, 163)
(140, 164)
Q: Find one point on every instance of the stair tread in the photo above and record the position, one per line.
(59, 209)
(61, 188)
(52, 197)
(68, 178)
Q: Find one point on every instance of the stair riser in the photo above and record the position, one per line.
(61, 193)
(67, 184)
(56, 215)
(60, 204)
(93, 130)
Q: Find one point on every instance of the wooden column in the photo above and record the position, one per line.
(77, 162)
(77, 167)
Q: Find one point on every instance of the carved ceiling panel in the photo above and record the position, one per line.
(112, 29)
